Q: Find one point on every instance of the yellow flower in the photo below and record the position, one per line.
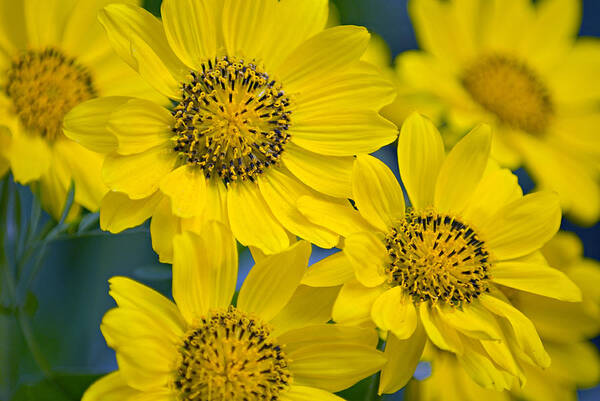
(274, 344)
(434, 270)
(517, 66)
(564, 327)
(53, 56)
(269, 106)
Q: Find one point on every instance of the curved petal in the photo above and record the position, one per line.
(523, 330)
(118, 212)
(522, 226)
(193, 29)
(472, 320)
(343, 133)
(252, 222)
(204, 270)
(354, 303)
(272, 281)
(394, 311)
(483, 371)
(140, 125)
(462, 170)
(30, 156)
(368, 256)
(441, 334)
(327, 334)
(138, 175)
(282, 192)
(340, 217)
(308, 306)
(377, 193)
(303, 393)
(536, 279)
(322, 54)
(402, 359)
(330, 175)
(111, 387)
(146, 364)
(420, 157)
(334, 270)
(186, 186)
(214, 209)
(334, 368)
(45, 21)
(163, 227)
(139, 39)
(87, 123)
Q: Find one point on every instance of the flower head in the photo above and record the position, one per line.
(436, 270)
(536, 85)
(203, 348)
(268, 106)
(54, 57)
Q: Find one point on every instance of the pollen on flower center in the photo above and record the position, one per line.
(436, 257)
(44, 86)
(232, 121)
(230, 356)
(511, 90)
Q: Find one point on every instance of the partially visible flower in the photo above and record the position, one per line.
(436, 270)
(564, 328)
(536, 84)
(274, 344)
(53, 56)
(269, 106)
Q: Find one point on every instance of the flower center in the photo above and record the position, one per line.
(44, 86)
(233, 120)
(231, 356)
(437, 258)
(512, 91)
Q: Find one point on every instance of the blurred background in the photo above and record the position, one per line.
(70, 293)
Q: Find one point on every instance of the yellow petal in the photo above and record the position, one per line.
(13, 27)
(340, 218)
(354, 303)
(303, 393)
(87, 123)
(564, 249)
(334, 368)
(214, 209)
(327, 334)
(272, 281)
(334, 270)
(462, 170)
(472, 320)
(420, 157)
(394, 311)
(524, 331)
(138, 175)
(324, 53)
(308, 306)
(252, 222)
(140, 125)
(163, 227)
(30, 156)
(402, 359)
(193, 29)
(204, 270)
(522, 226)
(146, 364)
(343, 133)
(111, 387)
(330, 175)
(536, 279)
(130, 294)
(483, 371)
(377, 193)
(45, 21)
(186, 186)
(118, 212)
(282, 192)
(368, 256)
(139, 39)
(441, 334)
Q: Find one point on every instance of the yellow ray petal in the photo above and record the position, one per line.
(354, 303)
(118, 212)
(29, 156)
(367, 253)
(186, 186)
(163, 227)
(45, 21)
(327, 334)
(420, 157)
(272, 282)
(334, 270)
(441, 334)
(111, 387)
(341, 218)
(394, 311)
(303, 393)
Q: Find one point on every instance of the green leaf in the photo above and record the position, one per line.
(88, 221)
(31, 304)
(62, 387)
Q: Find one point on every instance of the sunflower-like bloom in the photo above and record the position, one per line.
(537, 85)
(54, 56)
(274, 344)
(268, 107)
(564, 327)
(434, 270)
